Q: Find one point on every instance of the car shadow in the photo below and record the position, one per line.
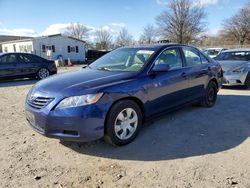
(235, 88)
(192, 131)
(17, 82)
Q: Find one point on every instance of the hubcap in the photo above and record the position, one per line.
(126, 123)
(43, 73)
(211, 95)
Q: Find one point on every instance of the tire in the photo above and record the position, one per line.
(247, 81)
(123, 123)
(210, 96)
(42, 73)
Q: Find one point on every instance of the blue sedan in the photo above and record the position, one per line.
(24, 65)
(117, 93)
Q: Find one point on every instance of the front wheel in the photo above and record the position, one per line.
(210, 96)
(247, 81)
(123, 123)
(43, 73)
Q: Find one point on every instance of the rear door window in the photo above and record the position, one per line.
(192, 56)
(25, 58)
(204, 60)
(37, 59)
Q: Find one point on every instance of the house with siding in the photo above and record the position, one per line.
(49, 47)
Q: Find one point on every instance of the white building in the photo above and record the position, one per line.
(49, 47)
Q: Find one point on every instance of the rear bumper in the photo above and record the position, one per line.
(81, 124)
(53, 68)
(54, 72)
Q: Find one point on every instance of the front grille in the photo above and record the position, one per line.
(39, 102)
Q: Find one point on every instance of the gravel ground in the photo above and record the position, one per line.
(192, 147)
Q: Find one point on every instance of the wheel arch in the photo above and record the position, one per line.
(134, 99)
(215, 81)
(42, 67)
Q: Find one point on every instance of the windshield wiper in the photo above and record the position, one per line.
(104, 68)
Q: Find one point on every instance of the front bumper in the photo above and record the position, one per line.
(234, 79)
(81, 124)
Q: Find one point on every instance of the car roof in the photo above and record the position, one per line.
(15, 53)
(3, 53)
(214, 48)
(238, 50)
(157, 46)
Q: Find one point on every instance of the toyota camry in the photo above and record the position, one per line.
(117, 93)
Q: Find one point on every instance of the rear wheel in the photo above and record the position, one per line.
(123, 123)
(43, 73)
(210, 96)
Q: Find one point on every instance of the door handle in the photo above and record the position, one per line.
(184, 75)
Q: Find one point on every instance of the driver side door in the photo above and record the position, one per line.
(170, 88)
(27, 64)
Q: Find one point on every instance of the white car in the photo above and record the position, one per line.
(213, 52)
(236, 66)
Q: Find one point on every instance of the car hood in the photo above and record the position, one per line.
(229, 65)
(80, 82)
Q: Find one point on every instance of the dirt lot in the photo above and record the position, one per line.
(193, 147)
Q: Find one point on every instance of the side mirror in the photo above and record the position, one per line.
(161, 68)
(85, 66)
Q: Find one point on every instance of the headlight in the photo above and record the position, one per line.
(79, 100)
(239, 70)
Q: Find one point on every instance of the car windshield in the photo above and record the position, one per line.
(234, 56)
(123, 59)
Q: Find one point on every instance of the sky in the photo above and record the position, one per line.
(46, 17)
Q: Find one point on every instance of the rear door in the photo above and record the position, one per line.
(8, 65)
(27, 64)
(199, 69)
(168, 89)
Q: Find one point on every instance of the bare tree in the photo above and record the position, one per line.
(78, 31)
(182, 21)
(103, 39)
(238, 26)
(124, 38)
(247, 19)
(148, 35)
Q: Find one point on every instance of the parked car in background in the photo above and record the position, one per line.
(25, 65)
(213, 52)
(236, 66)
(114, 95)
(93, 55)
